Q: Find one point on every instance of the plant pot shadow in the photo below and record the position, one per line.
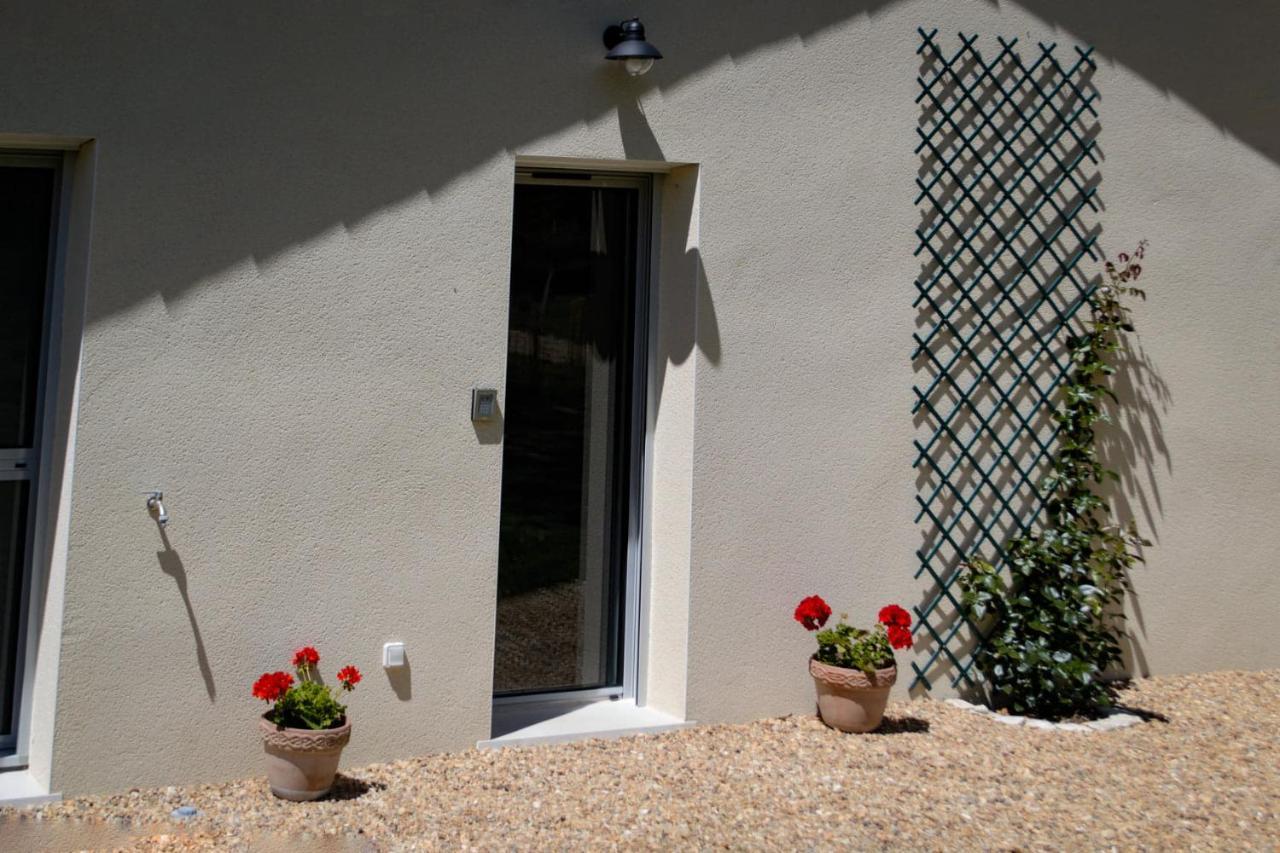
(350, 788)
(901, 726)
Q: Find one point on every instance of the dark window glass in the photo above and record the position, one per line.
(26, 199)
(26, 212)
(562, 544)
(13, 547)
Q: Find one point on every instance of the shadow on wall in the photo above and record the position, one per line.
(1221, 61)
(1009, 179)
(1218, 57)
(171, 565)
(258, 137)
(1008, 183)
(401, 680)
(680, 337)
(490, 431)
(1134, 447)
(680, 263)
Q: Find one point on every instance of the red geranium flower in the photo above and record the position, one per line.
(349, 676)
(305, 656)
(894, 616)
(899, 637)
(812, 613)
(272, 685)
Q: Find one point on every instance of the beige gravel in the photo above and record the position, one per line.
(937, 778)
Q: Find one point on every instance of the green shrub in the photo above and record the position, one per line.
(854, 648)
(1054, 622)
(309, 705)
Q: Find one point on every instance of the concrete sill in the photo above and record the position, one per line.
(19, 788)
(601, 719)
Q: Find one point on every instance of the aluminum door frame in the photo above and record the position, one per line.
(637, 487)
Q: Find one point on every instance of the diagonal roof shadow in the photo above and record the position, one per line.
(228, 133)
(1220, 57)
(231, 133)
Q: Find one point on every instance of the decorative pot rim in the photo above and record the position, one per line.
(304, 740)
(839, 676)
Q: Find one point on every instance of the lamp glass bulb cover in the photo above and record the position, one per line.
(637, 65)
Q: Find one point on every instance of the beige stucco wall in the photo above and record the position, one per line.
(299, 269)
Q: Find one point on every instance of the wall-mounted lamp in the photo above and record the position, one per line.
(626, 43)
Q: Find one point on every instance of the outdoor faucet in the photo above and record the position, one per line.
(155, 506)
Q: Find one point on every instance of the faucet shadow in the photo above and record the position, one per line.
(171, 565)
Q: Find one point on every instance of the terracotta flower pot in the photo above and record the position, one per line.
(301, 763)
(849, 699)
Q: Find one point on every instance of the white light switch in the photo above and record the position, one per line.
(392, 655)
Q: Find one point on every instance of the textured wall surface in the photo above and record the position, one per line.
(299, 269)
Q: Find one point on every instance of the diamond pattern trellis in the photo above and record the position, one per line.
(1007, 185)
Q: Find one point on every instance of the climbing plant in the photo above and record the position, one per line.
(1053, 618)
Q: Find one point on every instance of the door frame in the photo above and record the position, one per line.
(14, 749)
(637, 480)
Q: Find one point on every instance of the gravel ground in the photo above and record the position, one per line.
(1203, 773)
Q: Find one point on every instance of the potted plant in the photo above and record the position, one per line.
(304, 732)
(853, 669)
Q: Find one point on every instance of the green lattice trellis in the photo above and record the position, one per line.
(1008, 179)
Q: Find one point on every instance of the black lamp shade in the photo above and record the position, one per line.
(626, 41)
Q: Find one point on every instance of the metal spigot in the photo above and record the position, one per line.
(155, 506)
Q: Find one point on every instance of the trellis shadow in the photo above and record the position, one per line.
(1008, 192)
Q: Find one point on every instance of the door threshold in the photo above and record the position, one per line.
(18, 788)
(603, 718)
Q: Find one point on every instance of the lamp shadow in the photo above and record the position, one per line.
(684, 275)
(171, 565)
(375, 61)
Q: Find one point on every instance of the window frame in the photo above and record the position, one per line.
(36, 460)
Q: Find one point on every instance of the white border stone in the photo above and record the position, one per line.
(1112, 719)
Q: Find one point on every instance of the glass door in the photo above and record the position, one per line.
(566, 587)
(28, 187)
